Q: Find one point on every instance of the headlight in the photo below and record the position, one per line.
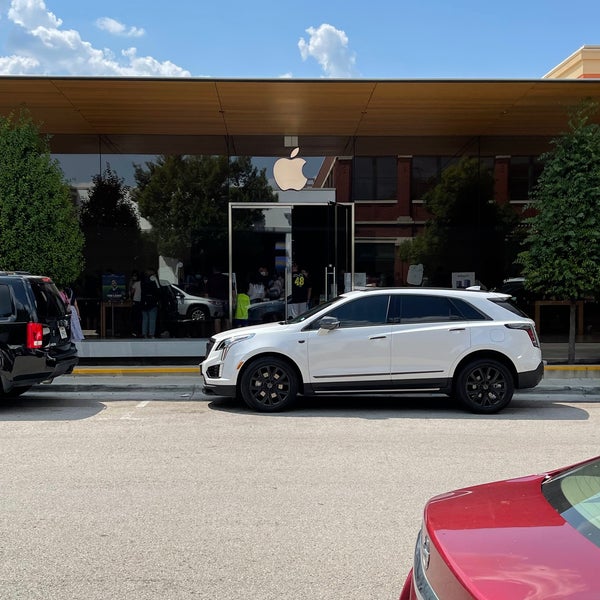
(227, 343)
(421, 564)
(424, 549)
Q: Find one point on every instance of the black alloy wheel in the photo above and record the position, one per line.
(269, 384)
(484, 386)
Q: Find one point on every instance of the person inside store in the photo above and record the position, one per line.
(150, 300)
(242, 305)
(301, 290)
(275, 291)
(217, 286)
(259, 285)
(135, 294)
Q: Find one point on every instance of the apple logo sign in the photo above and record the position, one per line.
(288, 172)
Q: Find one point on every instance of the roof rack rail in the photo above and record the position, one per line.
(4, 272)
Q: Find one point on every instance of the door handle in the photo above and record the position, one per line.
(378, 337)
(458, 329)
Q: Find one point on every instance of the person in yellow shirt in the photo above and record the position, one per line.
(240, 317)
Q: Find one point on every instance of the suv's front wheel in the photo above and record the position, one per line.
(484, 386)
(269, 384)
(198, 313)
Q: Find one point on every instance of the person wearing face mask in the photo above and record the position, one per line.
(259, 284)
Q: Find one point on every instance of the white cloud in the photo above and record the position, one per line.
(146, 65)
(16, 65)
(46, 49)
(31, 14)
(116, 28)
(329, 47)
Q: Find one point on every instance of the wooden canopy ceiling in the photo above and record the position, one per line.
(330, 117)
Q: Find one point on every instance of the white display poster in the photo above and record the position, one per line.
(415, 275)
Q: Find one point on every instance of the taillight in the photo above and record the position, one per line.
(35, 336)
(530, 329)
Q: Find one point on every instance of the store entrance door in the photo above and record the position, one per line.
(319, 237)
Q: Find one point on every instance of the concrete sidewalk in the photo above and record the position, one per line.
(586, 353)
(557, 380)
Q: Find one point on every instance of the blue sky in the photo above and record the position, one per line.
(389, 39)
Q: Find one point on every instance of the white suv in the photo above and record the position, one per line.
(473, 345)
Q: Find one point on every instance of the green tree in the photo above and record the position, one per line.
(39, 228)
(562, 255)
(185, 199)
(467, 230)
(108, 217)
(108, 204)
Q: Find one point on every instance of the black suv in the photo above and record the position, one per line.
(35, 333)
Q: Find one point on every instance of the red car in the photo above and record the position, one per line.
(532, 538)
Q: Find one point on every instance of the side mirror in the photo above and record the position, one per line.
(329, 323)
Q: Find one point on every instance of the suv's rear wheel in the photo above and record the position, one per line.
(269, 384)
(484, 386)
(198, 313)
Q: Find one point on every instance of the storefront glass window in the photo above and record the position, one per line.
(374, 178)
(522, 176)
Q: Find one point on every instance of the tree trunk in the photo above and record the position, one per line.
(572, 329)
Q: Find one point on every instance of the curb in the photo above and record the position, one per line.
(572, 371)
(553, 371)
(136, 371)
(572, 368)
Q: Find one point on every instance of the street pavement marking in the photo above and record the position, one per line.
(128, 416)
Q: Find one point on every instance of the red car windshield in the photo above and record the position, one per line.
(575, 494)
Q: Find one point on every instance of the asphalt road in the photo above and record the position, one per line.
(144, 488)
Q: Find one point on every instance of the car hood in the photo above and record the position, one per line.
(504, 540)
(263, 328)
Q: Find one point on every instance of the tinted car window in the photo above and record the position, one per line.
(362, 312)
(409, 308)
(48, 301)
(6, 305)
(576, 496)
(509, 305)
(311, 311)
(21, 299)
(468, 311)
(421, 308)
